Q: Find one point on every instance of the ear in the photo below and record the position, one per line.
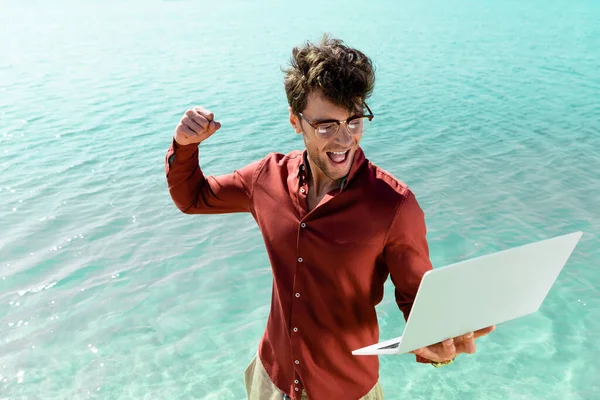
(294, 121)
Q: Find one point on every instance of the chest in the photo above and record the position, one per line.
(339, 224)
(312, 201)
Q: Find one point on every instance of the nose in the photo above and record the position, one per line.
(343, 137)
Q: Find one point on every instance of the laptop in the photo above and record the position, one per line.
(480, 292)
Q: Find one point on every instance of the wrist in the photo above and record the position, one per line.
(442, 363)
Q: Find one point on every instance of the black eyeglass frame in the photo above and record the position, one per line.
(315, 125)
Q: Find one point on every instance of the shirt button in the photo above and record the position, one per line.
(297, 362)
(303, 225)
(297, 294)
(295, 329)
(296, 381)
(302, 190)
(296, 389)
(300, 259)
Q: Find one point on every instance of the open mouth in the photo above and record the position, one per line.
(338, 157)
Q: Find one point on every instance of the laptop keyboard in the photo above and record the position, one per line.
(391, 346)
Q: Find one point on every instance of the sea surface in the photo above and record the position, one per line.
(489, 110)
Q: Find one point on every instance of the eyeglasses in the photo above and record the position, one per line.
(329, 128)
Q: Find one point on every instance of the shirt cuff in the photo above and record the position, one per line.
(185, 150)
(181, 153)
(422, 360)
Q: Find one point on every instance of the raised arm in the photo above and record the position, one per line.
(191, 191)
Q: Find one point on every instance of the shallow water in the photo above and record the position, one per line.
(490, 112)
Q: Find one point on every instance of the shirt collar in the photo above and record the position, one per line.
(357, 162)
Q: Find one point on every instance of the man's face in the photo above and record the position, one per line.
(321, 151)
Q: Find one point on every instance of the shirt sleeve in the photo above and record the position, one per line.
(406, 253)
(193, 193)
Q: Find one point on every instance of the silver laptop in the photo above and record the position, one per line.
(480, 292)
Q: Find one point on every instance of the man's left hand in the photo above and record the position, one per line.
(450, 348)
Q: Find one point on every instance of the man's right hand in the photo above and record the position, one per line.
(196, 125)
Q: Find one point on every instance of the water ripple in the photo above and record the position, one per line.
(488, 111)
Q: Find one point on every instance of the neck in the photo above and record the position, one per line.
(319, 183)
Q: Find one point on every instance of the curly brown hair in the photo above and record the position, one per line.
(344, 75)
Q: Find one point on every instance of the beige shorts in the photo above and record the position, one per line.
(260, 387)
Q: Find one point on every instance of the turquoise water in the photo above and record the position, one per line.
(489, 110)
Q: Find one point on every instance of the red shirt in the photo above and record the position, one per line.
(329, 265)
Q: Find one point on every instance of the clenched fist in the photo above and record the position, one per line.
(196, 125)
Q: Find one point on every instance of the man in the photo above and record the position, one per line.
(334, 225)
